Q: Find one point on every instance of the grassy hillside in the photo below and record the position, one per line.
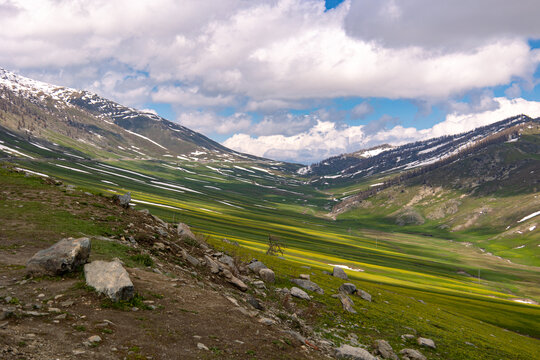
(413, 285)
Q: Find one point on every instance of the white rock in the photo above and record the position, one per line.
(109, 278)
(299, 293)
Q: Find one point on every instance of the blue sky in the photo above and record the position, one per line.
(294, 80)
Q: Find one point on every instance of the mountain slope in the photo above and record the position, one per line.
(385, 159)
(97, 126)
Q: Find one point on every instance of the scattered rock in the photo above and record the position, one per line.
(214, 267)
(64, 256)
(267, 321)
(426, 342)
(254, 302)
(259, 284)
(256, 266)
(411, 354)
(347, 288)
(238, 283)
(190, 259)
(383, 348)
(363, 294)
(61, 317)
(185, 232)
(7, 313)
(123, 200)
(227, 260)
(347, 303)
(407, 337)
(308, 285)
(201, 346)
(353, 353)
(267, 275)
(304, 276)
(109, 278)
(299, 293)
(339, 273)
(94, 339)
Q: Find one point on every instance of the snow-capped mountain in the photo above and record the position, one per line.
(61, 114)
(385, 158)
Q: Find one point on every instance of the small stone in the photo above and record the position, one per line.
(201, 346)
(123, 200)
(384, 349)
(190, 259)
(67, 303)
(339, 273)
(254, 302)
(55, 310)
(411, 354)
(41, 296)
(214, 267)
(238, 283)
(60, 317)
(308, 285)
(426, 342)
(304, 276)
(259, 284)
(267, 275)
(78, 352)
(347, 288)
(185, 232)
(407, 337)
(8, 299)
(363, 294)
(299, 293)
(267, 321)
(347, 303)
(353, 353)
(94, 339)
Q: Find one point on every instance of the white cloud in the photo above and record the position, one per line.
(325, 139)
(190, 97)
(209, 123)
(362, 110)
(272, 53)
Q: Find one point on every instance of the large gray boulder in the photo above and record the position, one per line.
(353, 353)
(384, 349)
(347, 288)
(110, 279)
(339, 273)
(411, 354)
(308, 285)
(64, 256)
(256, 266)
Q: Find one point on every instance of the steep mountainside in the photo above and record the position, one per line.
(96, 126)
(384, 159)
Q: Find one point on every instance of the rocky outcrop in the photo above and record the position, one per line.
(110, 279)
(64, 256)
(308, 285)
(353, 353)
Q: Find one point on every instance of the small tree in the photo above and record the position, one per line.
(274, 245)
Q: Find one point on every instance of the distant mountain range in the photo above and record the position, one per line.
(386, 159)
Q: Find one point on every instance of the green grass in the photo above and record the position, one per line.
(402, 264)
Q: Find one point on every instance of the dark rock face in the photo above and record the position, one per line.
(64, 256)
